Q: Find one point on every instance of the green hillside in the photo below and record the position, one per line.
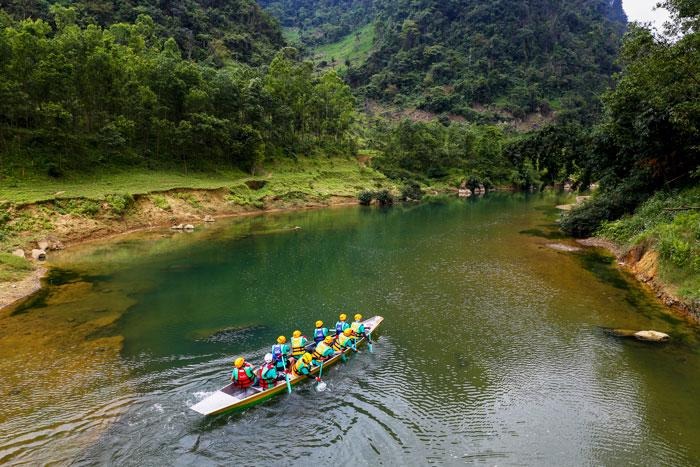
(514, 57)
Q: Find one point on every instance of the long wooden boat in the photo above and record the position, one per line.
(231, 398)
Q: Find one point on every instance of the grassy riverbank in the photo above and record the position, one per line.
(74, 209)
(661, 243)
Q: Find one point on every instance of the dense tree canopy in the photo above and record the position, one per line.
(649, 136)
(214, 30)
(74, 96)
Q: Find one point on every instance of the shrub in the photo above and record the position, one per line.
(79, 207)
(384, 197)
(119, 204)
(161, 203)
(365, 197)
(411, 191)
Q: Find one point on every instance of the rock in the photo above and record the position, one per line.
(50, 244)
(464, 193)
(18, 252)
(177, 227)
(188, 227)
(652, 336)
(39, 254)
(209, 218)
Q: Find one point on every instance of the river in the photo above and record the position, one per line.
(494, 348)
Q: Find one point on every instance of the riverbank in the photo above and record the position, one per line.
(643, 263)
(39, 215)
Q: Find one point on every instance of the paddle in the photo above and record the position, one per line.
(369, 342)
(321, 386)
(286, 376)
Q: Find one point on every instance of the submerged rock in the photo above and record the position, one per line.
(464, 193)
(228, 334)
(188, 227)
(562, 247)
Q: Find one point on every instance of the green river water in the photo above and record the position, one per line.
(493, 351)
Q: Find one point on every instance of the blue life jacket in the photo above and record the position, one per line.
(339, 327)
(277, 352)
(319, 334)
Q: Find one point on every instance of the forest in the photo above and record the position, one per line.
(73, 97)
(199, 85)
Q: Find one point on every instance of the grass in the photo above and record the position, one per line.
(354, 47)
(37, 188)
(319, 176)
(13, 267)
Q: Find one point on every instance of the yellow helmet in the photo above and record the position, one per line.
(358, 317)
(328, 340)
(307, 357)
(348, 332)
(343, 317)
(296, 334)
(281, 340)
(319, 323)
(239, 362)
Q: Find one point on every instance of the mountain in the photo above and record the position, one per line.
(215, 30)
(463, 56)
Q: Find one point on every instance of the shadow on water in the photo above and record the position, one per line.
(548, 234)
(603, 266)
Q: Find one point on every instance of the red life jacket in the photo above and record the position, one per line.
(264, 383)
(243, 380)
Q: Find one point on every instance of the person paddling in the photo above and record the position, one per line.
(298, 344)
(242, 374)
(280, 353)
(341, 325)
(303, 365)
(344, 341)
(320, 332)
(358, 329)
(267, 373)
(323, 350)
